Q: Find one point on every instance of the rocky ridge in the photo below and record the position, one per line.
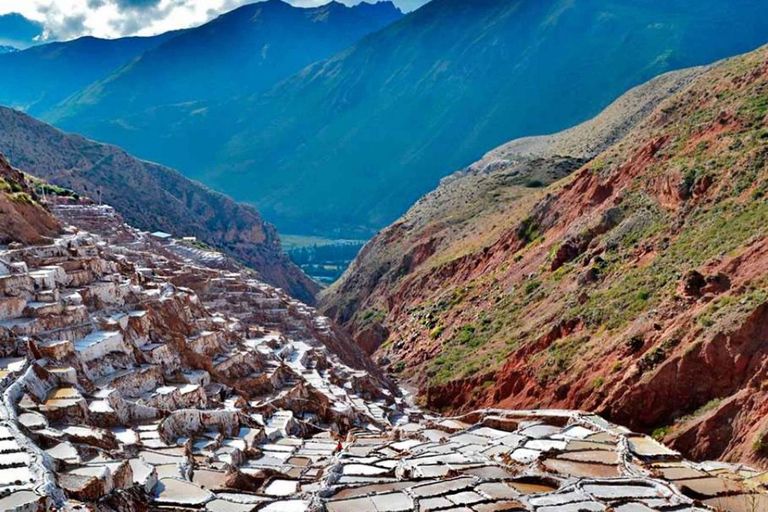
(151, 197)
(614, 289)
(135, 376)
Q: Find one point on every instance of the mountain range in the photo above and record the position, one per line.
(42, 76)
(345, 145)
(242, 52)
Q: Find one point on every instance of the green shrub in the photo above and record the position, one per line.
(22, 198)
(652, 358)
(534, 184)
(532, 287)
(660, 433)
(436, 332)
(375, 316)
(465, 334)
(528, 230)
(760, 445)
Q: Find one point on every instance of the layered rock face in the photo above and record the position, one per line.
(634, 287)
(141, 374)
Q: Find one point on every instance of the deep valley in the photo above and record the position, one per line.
(446, 255)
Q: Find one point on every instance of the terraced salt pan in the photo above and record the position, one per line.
(623, 491)
(364, 470)
(11, 365)
(96, 471)
(581, 469)
(525, 455)
(21, 500)
(647, 447)
(100, 406)
(9, 444)
(173, 491)
(33, 420)
(65, 452)
(14, 459)
(155, 458)
(282, 488)
(470, 463)
(65, 396)
(287, 506)
(218, 505)
(142, 472)
(15, 477)
(98, 344)
(81, 431)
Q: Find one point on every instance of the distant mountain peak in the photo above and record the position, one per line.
(18, 31)
(379, 10)
(381, 6)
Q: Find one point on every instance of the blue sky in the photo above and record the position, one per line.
(67, 19)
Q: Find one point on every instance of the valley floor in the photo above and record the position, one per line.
(322, 259)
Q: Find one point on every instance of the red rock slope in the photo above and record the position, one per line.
(636, 287)
(22, 219)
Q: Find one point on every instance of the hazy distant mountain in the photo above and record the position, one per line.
(7, 49)
(19, 32)
(39, 77)
(242, 51)
(245, 51)
(348, 144)
(353, 141)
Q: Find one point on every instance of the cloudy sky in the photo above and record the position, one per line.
(66, 19)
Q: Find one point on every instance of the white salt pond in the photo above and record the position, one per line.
(363, 469)
(178, 492)
(282, 488)
(286, 506)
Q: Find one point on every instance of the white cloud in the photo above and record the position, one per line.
(67, 19)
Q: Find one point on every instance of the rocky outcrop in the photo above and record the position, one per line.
(633, 287)
(22, 219)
